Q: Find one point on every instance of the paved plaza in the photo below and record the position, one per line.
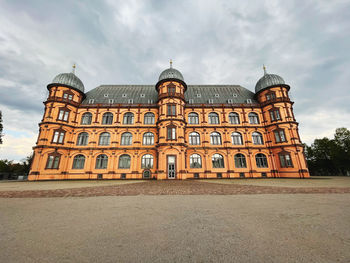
(207, 227)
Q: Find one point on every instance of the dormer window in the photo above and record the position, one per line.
(199, 95)
(142, 95)
(105, 95)
(124, 95)
(217, 96)
(190, 101)
(210, 101)
(111, 101)
(130, 101)
(230, 101)
(150, 101)
(249, 101)
(91, 101)
(234, 95)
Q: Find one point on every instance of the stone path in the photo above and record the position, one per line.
(189, 187)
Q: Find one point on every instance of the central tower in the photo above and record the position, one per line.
(171, 89)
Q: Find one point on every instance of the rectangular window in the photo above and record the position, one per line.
(171, 109)
(63, 115)
(275, 115)
(91, 101)
(286, 160)
(171, 132)
(53, 161)
(280, 136)
(130, 101)
(67, 96)
(111, 101)
(58, 137)
(171, 89)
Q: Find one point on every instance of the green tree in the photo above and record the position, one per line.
(330, 156)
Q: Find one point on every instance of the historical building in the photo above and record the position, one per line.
(169, 130)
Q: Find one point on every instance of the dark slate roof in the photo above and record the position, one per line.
(171, 73)
(69, 79)
(141, 94)
(268, 80)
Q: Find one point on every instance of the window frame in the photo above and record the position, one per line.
(148, 138)
(285, 159)
(171, 136)
(261, 160)
(240, 160)
(121, 162)
(236, 135)
(195, 161)
(58, 136)
(213, 118)
(275, 114)
(63, 114)
(128, 118)
(220, 162)
(193, 118)
(126, 139)
(103, 141)
(82, 141)
(235, 117)
(78, 162)
(215, 138)
(253, 118)
(257, 138)
(147, 161)
(101, 162)
(171, 109)
(278, 138)
(149, 118)
(55, 162)
(84, 116)
(107, 118)
(194, 138)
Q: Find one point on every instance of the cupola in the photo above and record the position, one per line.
(68, 79)
(269, 80)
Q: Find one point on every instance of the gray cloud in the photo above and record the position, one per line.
(116, 42)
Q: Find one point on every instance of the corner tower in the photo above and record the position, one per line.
(283, 140)
(171, 89)
(56, 129)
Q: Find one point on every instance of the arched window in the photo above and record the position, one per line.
(234, 118)
(128, 118)
(257, 138)
(261, 160)
(194, 138)
(86, 118)
(107, 118)
(195, 161)
(193, 118)
(253, 118)
(148, 138)
(79, 161)
(240, 161)
(104, 138)
(147, 161)
(236, 138)
(214, 118)
(149, 118)
(217, 161)
(126, 138)
(124, 161)
(101, 161)
(83, 138)
(215, 138)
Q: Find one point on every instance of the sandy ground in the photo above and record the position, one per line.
(239, 228)
(50, 185)
(331, 181)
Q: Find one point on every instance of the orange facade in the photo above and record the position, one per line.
(169, 138)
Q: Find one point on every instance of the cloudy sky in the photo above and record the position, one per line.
(210, 42)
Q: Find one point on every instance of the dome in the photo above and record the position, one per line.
(171, 73)
(268, 80)
(69, 79)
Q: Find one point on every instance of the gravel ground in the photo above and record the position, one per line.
(171, 187)
(216, 228)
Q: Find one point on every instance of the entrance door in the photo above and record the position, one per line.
(171, 167)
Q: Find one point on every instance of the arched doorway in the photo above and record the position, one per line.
(146, 174)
